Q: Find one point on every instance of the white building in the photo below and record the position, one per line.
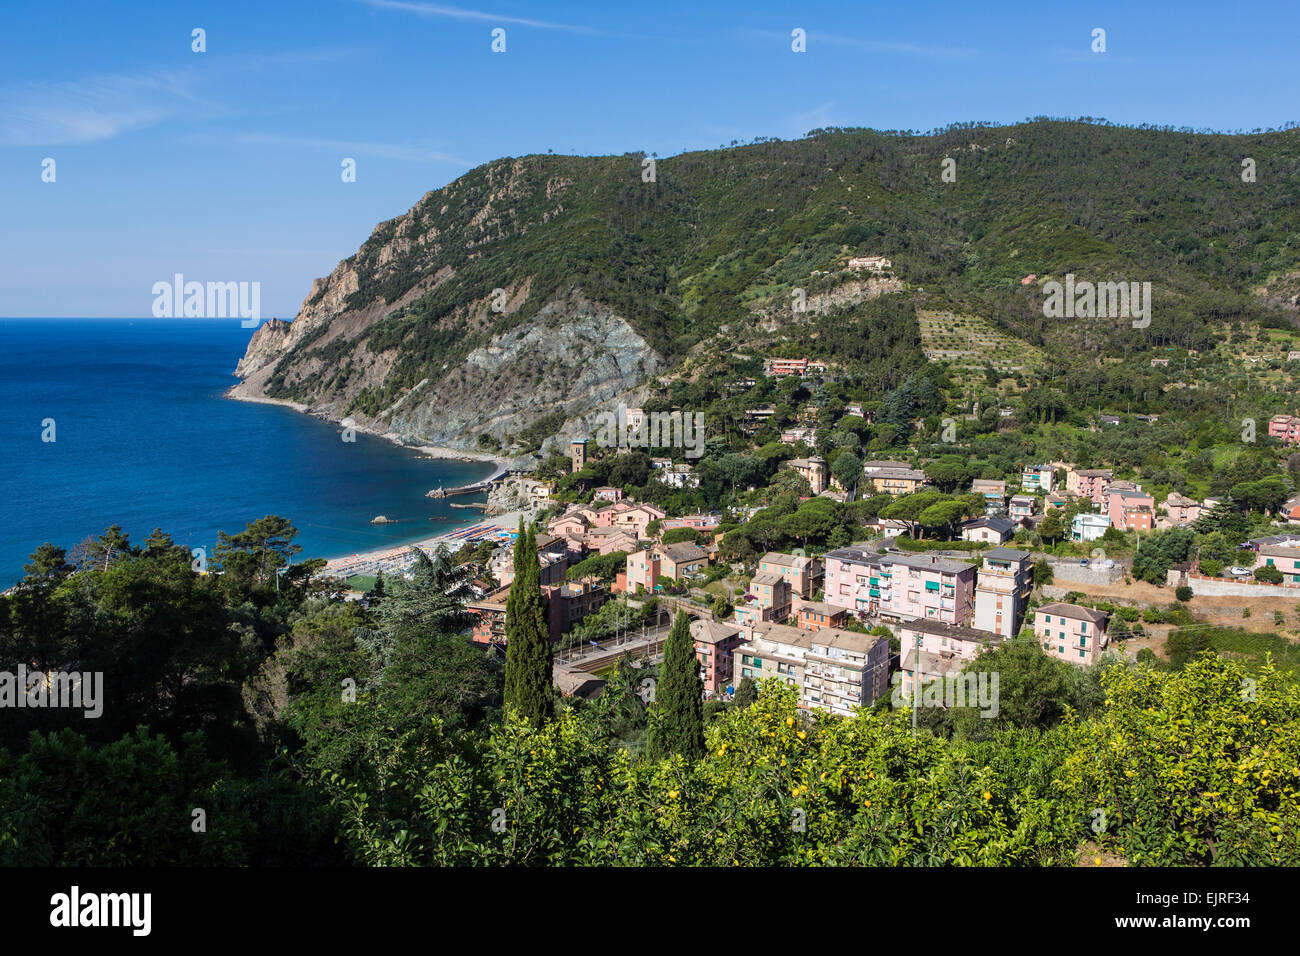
(1002, 591)
(1089, 527)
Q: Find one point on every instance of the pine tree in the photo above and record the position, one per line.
(528, 639)
(679, 724)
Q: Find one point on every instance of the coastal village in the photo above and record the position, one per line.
(840, 624)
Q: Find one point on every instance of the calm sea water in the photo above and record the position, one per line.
(145, 439)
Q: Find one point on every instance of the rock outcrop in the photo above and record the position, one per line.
(498, 363)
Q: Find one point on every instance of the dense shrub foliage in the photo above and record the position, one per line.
(1193, 762)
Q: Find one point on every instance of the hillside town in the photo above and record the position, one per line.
(926, 571)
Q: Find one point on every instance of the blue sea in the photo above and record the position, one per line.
(144, 438)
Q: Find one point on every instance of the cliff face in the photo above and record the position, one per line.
(405, 340)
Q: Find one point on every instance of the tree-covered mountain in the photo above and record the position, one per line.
(546, 286)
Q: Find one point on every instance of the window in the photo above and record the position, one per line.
(1081, 652)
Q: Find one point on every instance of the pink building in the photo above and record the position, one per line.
(643, 570)
(609, 540)
(1090, 483)
(803, 573)
(598, 516)
(636, 519)
(1071, 633)
(1285, 428)
(1022, 507)
(1283, 556)
(1181, 510)
(571, 523)
(936, 650)
(772, 597)
(900, 586)
(609, 494)
(1130, 510)
(715, 649)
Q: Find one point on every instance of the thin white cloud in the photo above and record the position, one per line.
(459, 13)
(90, 110)
(398, 151)
(892, 47)
(819, 117)
(97, 108)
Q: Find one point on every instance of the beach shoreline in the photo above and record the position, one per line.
(397, 557)
(501, 465)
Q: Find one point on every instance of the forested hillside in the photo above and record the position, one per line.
(704, 258)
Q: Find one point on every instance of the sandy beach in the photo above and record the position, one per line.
(398, 558)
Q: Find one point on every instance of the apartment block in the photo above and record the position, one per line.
(893, 477)
(768, 599)
(565, 605)
(815, 615)
(900, 586)
(1034, 478)
(785, 366)
(1181, 510)
(993, 491)
(813, 470)
(1285, 428)
(1088, 527)
(932, 650)
(715, 648)
(1071, 633)
(682, 560)
(1002, 591)
(803, 573)
(834, 670)
(1130, 510)
(643, 569)
(1090, 483)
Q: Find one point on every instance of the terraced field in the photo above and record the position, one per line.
(970, 343)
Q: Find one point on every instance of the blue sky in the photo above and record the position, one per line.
(225, 165)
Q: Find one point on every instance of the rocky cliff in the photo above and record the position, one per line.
(411, 338)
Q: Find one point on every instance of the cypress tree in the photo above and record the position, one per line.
(679, 698)
(528, 639)
(746, 693)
